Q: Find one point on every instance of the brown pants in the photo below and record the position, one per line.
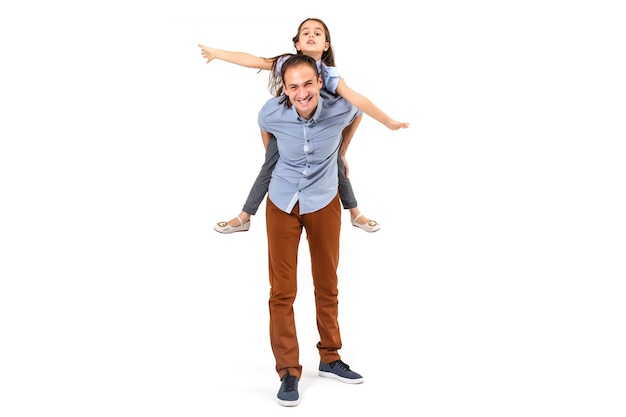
(283, 236)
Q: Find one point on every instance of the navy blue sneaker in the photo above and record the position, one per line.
(288, 393)
(341, 371)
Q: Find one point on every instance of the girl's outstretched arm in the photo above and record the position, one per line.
(240, 58)
(367, 107)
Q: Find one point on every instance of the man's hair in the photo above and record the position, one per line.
(295, 61)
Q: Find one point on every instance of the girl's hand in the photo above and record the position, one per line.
(393, 125)
(207, 53)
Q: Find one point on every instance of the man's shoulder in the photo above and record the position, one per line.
(272, 105)
(274, 111)
(273, 101)
(335, 103)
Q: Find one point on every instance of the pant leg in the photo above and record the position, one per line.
(262, 182)
(348, 199)
(283, 238)
(323, 230)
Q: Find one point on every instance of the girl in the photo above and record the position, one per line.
(312, 39)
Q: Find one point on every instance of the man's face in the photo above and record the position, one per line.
(303, 87)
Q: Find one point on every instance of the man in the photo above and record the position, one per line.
(303, 192)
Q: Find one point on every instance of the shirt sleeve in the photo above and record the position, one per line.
(330, 78)
(261, 119)
(279, 65)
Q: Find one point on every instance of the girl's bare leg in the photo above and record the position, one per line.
(354, 212)
(245, 218)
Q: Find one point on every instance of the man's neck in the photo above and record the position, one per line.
(307, 116)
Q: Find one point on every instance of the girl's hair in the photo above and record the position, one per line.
(328, 57)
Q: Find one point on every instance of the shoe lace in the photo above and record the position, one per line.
(289, 382)
(339, 364)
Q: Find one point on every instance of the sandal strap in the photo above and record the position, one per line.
(240, 221)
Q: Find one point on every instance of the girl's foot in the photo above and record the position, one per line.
(240, 223)
(364, 223)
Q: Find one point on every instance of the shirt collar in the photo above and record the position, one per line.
(316, 114)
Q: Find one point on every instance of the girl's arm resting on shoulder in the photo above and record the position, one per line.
(243, 59)
(366, 106)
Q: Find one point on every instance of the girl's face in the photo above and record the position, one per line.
(312, 39)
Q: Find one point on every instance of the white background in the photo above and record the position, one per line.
(494, 288)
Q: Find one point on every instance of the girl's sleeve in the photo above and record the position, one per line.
(279, 65)
(330, 77)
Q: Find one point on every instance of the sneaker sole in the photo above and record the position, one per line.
(288, 403)
(340, 378)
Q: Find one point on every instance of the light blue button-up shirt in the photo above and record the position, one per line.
(306, 170)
